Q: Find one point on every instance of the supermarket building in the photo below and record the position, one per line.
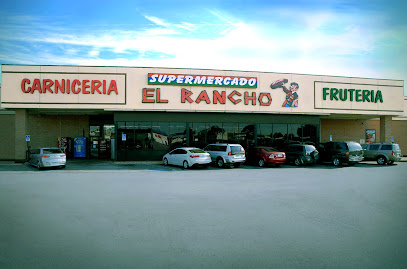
(133, 114)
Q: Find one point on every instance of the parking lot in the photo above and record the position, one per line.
(99, 214)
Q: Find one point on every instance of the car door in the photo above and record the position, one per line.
(172, 157)
(181, 156)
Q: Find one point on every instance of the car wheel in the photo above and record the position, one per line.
(220, 162)
(381, 160)
(185, 165)
(39, 165)
(63, 166)
(336, 161)
(237, 165)
(165, 161)
(298, 161)
(261, 163)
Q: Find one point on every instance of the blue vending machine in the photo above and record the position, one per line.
(80, 147)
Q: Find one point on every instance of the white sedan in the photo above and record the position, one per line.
(47, 157)
(187, 157)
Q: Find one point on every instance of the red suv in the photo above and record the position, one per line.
(262, 156)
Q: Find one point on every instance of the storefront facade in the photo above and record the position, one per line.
(138, 114)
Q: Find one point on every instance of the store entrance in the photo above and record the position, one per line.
(102, 145)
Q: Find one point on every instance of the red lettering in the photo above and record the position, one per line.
(95, 86)
(185, 95)
(146, 95)
(23, 82)
(104, 86)
(68, 85)
(234, 101)
(84, 86)
(217, 97)
(76, 90)
(265, 94)
(203, 96)
(112, 87)
(46, 85)
(248, 98)
(60, 87)
(158, 97)
(36, 86)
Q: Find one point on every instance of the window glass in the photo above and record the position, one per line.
(264, 134)
(230, 133)
(374, 147)
(177, 134)
(236, 149)
(51, 151)
(386, 147)
(341, 145)
(214, 133)
(197, 151)
(309, 134)
(197, 134)
(294, 133)
(94, 131)
(245, 135)
(364, 146)
(279, 135)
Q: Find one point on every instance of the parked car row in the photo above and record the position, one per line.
(233, 155)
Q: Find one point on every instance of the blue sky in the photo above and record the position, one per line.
(344, 38)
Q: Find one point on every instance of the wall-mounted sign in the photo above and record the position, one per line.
(202, 80)
(370, 136)
(354, 96)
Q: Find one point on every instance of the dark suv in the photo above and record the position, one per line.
(341, 152)
(301, 154)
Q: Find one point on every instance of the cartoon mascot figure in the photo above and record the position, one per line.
(291, 98)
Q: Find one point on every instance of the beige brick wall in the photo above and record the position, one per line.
(45, 129)
(342, 130)
(7, 140)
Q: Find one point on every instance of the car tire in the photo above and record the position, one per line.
(185, 165)
(63, 166)
(261, 163)
(381, 160)
(165, 161)
(298, 161)
(336, 161)
(220, 162)
(39, 165)
(237, 165)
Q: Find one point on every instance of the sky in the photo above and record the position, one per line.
(365, 38)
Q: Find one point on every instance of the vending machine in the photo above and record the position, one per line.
(80, 147)
(65, 144)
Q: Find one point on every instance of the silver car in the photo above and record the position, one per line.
(382, 153)
(47, 157)
(226, 154)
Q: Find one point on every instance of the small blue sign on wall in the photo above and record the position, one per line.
(79, 147)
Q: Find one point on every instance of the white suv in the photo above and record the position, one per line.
(226, 154)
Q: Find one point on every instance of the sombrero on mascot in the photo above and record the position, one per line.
(278, 83)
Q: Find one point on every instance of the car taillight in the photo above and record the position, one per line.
(62, 155)
(45, 156)
(307, 154)
(347, 154)
(229, 153)
(393, 153)
(194, 156)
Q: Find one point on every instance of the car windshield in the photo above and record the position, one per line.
(51, 151)
(236, 149)
(196, 151)
(269, 149)
(309, 148)
(354, 146)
